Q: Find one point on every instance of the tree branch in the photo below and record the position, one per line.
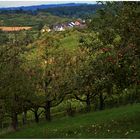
(104, 97)
(58, 102)
(40, 113)
(32, 110)
(77, 98)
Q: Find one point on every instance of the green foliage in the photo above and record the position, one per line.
(114, 48)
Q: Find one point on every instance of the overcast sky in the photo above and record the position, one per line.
(11, 3)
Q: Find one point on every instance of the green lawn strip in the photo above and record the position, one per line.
(120, 122)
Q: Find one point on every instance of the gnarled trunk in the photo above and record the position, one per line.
(88, 105)
(14, 121)
(36, 115)
(24, 117)
(48, 110)
(101, 100)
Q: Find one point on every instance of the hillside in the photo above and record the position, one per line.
(27, 19)
(122, 122)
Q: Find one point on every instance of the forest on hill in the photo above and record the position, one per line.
(77, 72)
(78, 10)
(81, 11)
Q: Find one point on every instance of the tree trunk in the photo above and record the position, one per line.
(48, 111)
(1, 126)
(88, 106)
(24, 117)
(14, 121)
(101, 100)
(36, 116)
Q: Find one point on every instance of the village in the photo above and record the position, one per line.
(64, 26)
(55, 27)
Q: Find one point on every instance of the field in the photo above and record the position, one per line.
(15, 28)
(120, 122)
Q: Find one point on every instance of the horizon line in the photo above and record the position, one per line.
(16, 4)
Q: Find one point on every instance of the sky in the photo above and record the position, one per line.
(13, 3)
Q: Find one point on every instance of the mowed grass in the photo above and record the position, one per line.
(123, 122)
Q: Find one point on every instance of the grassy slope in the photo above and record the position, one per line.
(71, 41)
(29, 20)
(120, 122)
